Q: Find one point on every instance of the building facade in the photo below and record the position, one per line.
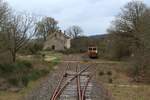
(57, 41)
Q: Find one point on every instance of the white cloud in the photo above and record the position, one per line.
(94, 16)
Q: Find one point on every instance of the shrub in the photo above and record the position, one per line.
(33, 75)
(20, 73)
(32, 47)
(140, 68)
(26, 63)
(25, 80)
(13, 81)
(110, 80)
(101, 73)
(43, 72)
(109, 73)
(48, 49)
(18, 66)
(14, 73)
(6, 68)
(22, 66)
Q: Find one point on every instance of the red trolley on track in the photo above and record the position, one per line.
(93, 51)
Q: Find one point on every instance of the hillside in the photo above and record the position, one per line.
(100, 36)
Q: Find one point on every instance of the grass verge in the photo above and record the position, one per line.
(30, 78)
(129, 92)
(115, 77)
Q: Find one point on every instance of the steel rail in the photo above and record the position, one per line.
(59, 83)
(68, 82)
(78, 84)
(86, 85)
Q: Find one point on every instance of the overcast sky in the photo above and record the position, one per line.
(93, 16)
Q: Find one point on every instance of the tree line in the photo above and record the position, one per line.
(129, 37)
(18, 29)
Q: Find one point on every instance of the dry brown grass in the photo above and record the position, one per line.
(129, 92)
(121, 88)
(6, 95)
(9, 96)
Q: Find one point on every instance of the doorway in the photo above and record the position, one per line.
(53, 47)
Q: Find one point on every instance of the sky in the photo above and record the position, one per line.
(93, 16)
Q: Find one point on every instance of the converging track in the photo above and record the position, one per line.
(74, 83)
(74, 78)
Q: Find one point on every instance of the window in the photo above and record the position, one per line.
(94, 48)
(90, 48)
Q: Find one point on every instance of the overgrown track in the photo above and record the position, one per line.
(88, 86)
(74, 83)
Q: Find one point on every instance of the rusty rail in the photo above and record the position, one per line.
(59, 83)
(60, 87)
(78, 85)
(85, 87)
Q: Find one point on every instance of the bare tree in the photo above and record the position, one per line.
(20, 29)
(129, 25)
(74, 31)
(4, 14)
(46, 27)
(130, 36)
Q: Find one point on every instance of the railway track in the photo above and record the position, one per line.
(72, 79)
(74, 83)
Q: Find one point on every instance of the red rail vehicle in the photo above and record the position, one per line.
(93, 51)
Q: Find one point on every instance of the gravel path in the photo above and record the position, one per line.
(46, 87)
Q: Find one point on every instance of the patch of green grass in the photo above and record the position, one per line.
(23, 66)
(6, 68)
(21, 72)
(29, 70)
(33, 75)
(53, 63)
